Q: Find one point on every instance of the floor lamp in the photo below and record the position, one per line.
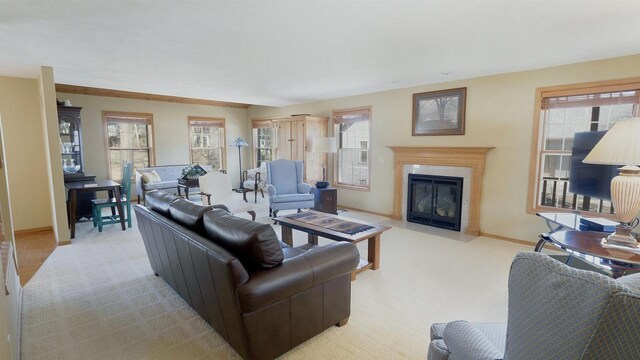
(621, 146)
(240, 143)
(323, 145)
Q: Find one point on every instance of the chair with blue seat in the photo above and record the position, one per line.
(125, 198)
(285, 186)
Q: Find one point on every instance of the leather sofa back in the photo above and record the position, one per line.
(160, 201)
(188, 214)
(255, 244)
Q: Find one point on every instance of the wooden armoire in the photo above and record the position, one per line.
(293, 138)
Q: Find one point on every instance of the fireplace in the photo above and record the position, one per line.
(435, 200)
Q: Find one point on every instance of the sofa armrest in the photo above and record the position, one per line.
(632, 281)
(271, 190)
(221, 207)
(331, 261)
(465, 341)
(138, 183)
(319, 265)
(304, 188)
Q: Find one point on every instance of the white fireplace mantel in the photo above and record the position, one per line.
(471, 157)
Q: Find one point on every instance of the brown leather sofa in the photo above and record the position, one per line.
(262, 296)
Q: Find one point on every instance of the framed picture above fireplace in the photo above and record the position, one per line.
(439, 112)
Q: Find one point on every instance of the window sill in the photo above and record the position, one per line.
(352, 187)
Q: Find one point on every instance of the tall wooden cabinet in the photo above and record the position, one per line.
(71, 141)
(72, 152)
(294, 136)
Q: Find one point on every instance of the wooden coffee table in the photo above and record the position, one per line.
(372, 236)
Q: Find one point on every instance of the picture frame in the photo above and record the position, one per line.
(439, 112)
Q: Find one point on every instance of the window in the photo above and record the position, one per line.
(364, 154)
(563, 112)
(353, 137)
(129, 136)
(207, 141)
(264, 141)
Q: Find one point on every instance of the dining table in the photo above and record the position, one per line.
(75, 187)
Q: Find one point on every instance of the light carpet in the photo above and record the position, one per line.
(98, 298)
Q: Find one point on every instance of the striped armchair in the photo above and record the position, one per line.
(555, 312)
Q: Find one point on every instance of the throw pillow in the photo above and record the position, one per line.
(150, 177)
(256, 245)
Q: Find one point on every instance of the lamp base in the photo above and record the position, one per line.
(622, 236)
(322, 184)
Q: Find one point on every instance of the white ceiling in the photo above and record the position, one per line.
(285, 52)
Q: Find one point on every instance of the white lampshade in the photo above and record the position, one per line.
(619, 146)
(324, 145)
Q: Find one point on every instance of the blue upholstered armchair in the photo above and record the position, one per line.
(555, 312)
(285, 187)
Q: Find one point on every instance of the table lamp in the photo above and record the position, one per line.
(621, 146)
(240, 143)
(323, 145)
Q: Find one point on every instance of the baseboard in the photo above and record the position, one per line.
(32, 230)
(66, 242)
(517, 241)
(363, 211)
(506, 238)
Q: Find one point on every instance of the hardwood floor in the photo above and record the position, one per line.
(32, 250)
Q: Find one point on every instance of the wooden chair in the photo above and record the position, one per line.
(125, 198)
(254, 180)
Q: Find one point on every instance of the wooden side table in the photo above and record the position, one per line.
(186, 184)
(619, 261)
(326, 200)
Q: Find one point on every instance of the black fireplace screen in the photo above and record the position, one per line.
(435, 200)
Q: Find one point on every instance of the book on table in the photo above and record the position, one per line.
(597, 224)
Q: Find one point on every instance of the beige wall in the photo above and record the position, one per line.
(499, 113)
(170, 130)
(9, 303)
(51, 138)
(25, 152)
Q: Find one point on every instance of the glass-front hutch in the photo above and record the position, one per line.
(69, 127)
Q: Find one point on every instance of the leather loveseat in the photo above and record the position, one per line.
(262, 296)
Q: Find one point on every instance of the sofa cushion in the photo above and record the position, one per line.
(188, 214)
(159, 201)
(161, 185)
(150, 177)
(286, 198)
(256, 245)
